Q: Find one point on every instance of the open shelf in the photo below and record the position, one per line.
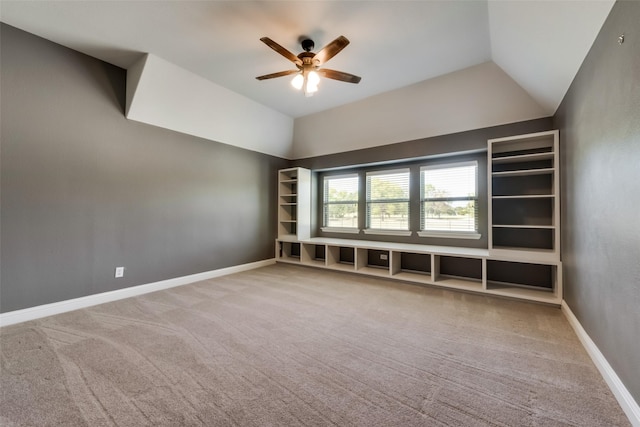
(341, 258)
(524, 157)
(458, 272)
(524, 172)
(532, 185)
(523, 237)
(520, 166)
(523, 211)
(540, 282)
(313, 254)
(411, 266)
(288, 251)
(372, 261)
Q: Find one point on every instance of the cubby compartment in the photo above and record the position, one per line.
(521, 150)
(523, 238)
(532, 185)
(289, 188)
(289, 251)
(287, 228)
(410, 266)
(525, 163)
(288, 211)
(341, 257)
(524, 147)
(501, 274)
(458, 272)
(536, 282)
(523, 212)
(373, 261)
(313, 254)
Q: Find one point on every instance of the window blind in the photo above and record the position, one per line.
(340, 204)
(449, 197)
(388, 199)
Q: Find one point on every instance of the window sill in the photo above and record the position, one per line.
(388, 232)
(450, 235)
(340, 230)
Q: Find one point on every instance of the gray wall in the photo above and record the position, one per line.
(439, 149)
(599, 122)
(85, 190)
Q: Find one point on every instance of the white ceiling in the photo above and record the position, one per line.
(539, 44)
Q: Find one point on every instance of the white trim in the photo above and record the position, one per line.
(387, 232)
(626, 401)
(340, 230)
(37, 312)
(450, 234)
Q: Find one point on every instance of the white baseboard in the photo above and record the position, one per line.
(32, 313)
(626, 401)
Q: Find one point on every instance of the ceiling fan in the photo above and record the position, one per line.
(308, 64)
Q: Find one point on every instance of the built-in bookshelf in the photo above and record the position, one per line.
(524, 187)
(294, 204)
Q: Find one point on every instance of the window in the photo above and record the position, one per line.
(388, 200)
(340, 205)
(449, 200)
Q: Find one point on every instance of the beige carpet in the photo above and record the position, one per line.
(287, 345)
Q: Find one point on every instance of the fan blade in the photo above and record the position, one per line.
(330, 50)
(282, 51)
(278, 74)
(339, 75)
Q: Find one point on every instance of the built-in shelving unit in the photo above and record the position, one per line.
(524, 187)
(522, 259)
(294, 204)
(464, 269)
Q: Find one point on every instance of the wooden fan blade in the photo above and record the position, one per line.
(339, 75)
(281, 50)
(278, 74)
(330, 50)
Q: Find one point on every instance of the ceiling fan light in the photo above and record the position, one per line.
(313, 78)
(310, 89)
(297, 81)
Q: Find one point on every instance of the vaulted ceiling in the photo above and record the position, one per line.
(540, 45)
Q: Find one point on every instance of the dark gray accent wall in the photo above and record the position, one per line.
(85, 190)
(599, 122)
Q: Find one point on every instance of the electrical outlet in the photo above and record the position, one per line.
(383, 257)
(119, 272)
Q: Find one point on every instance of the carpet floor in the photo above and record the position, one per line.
(286, 345)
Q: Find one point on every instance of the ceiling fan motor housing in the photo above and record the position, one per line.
(307, 45)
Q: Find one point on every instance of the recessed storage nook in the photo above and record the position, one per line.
(523, 257)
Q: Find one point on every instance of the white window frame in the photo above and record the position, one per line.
(348, 230)
(382, 231)
(445, 233)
